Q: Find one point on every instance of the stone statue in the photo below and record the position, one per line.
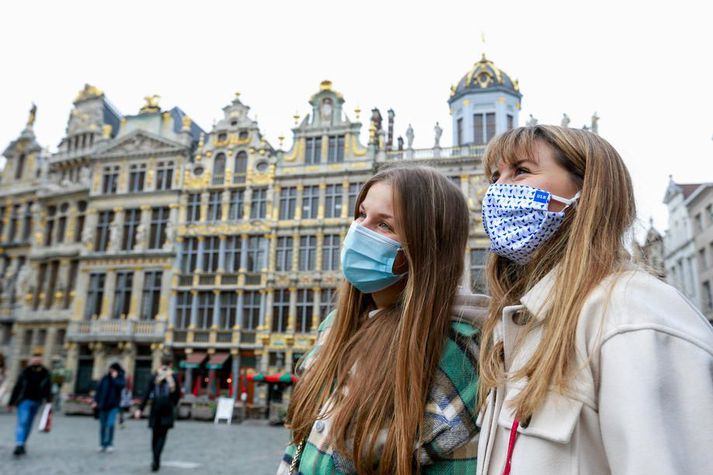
(24, 280)
(409, 137)
(33, 115)
(170, 236)
(595, 123)
(565, 120)
(438, 131)
(532, 122)
(115, 235)
(85, 176)
(88, 236)
(45, 169)
(140, 236)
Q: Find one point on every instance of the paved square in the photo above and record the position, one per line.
(252, 448)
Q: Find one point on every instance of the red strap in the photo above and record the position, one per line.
(511, 446)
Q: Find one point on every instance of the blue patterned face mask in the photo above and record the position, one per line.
(517, 221)
(368, 259)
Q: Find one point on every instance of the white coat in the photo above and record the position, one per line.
(642, 398)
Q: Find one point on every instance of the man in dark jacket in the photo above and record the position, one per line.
(164, 393)
(106, 401)
(32, 387)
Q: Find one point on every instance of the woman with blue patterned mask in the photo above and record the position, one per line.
(588, 364)
(390, 385)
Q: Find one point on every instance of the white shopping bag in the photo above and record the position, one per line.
(45, 424)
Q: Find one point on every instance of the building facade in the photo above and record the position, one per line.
(147, 234)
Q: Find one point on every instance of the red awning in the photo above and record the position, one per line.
(217, 360)
(194, 360)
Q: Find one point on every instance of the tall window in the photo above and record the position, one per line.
(151, 297)
(184, 302)
(41, 277)
(2, 221)
(159, 220)
(211, 252)
(237, 205)
(330, 252)
(477, 270)
(62, 222)
(280, 310)
(189, 255)
(14, 220)
(326, 303)
(483, 127)
(137, 177)
(27, 225)
(232, 253)
(256, 254)
(102, 235)
(132, 218)
(79, 226)
(511, 121)
(215, 206)
(288, 202)
(251, 309)
(258, 207)
(110, 179)
(310, 202)
(49, 225)
(459, 131)
(240, 168)
(20, 166)
(122, 294)
(51, 283)
(313, 150)
(304, 310)
(95, 295)
(193, 209)
(283, 260)
(336, 149)
(206, 302)
(333, 201)
(164, 175)
(354, 189)
(308, 251)
(228, 310)
(219, 169)
(71, 282)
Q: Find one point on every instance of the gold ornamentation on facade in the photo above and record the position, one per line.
(150, 104)
(88, 92)
(106, 131)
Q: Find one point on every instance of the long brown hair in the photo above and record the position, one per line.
(588, 247)
(378, 371)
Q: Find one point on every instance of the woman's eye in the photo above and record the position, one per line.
(520, 171)
(386, 227)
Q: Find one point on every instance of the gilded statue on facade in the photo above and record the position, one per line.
(32, 116)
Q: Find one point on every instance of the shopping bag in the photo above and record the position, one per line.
(45, 424)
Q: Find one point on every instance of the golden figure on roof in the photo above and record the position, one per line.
(151, 104)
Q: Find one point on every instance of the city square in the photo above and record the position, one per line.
(251, 448)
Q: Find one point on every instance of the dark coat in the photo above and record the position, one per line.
(163, 413)
(108, 393)
(32, 384)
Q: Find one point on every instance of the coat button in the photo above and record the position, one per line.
(319, 426)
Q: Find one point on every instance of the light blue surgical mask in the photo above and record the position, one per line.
(368, 259)
(517, 221)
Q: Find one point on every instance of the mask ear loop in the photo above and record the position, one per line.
(566, 201)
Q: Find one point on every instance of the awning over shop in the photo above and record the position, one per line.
(217, 360)
(194, 360)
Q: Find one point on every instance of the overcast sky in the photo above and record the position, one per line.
(646, 70)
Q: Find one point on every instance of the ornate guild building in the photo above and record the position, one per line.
(144, 234)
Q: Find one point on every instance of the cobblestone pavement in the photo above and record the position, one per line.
(252, 448)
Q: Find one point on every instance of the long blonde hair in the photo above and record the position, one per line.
(378, 371)
(588, 247)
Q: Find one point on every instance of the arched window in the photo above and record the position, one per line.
(219, 169)
(241, 167)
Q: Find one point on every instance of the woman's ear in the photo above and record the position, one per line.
(400, 263)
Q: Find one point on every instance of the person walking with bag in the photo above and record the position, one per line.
(106, 402)
(588, 364)
(32, 387)
(164, 393)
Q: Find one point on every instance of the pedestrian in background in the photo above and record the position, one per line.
(588, 364)
(164, 394)
(106, 402)
(33, 386)
(126, 400)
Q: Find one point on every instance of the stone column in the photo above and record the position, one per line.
(270, 298)
(235, 373)
(71, 365)
(109, 288)
(62, 284)
(50, 343)
(204, 206)
(99, 367)
(221, 254)
(142, 241)
(292, 316)
(137, 284)
(316, 294)
(156, 352)
(298, 201)
(345, 212)
(320, 208)
(194, 308)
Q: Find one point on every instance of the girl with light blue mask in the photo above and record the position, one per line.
(392, 360)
